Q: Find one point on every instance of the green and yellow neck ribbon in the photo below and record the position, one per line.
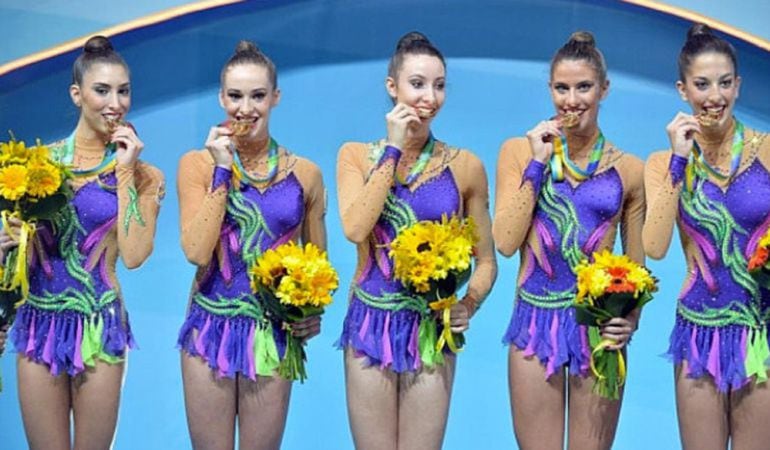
(106, 165)
(560, 162)
(421, 164)
(17, 258)
(447, 337)
(697, 167)
(240, 173)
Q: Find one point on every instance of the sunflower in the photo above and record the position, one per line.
(13, 182)
(43, 179)
(432, 251)
(298, 276)
(13, 152)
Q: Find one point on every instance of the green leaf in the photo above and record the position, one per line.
(618, 305)
(590, 315)
(46, 208)
(8, 300)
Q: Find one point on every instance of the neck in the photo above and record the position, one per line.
(580, 143)
(87, 135)
(88, 141)
(253, 148)
(712, 140)
(416, 140)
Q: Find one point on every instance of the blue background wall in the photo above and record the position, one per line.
(332, 58)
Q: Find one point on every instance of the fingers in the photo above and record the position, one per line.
(399, 119)
(459, 318)
(10, 235)
(7, 242)
(126, 136)
(307, 329)
(681, 131)
(220, 146)
(617, 329)
(541, 137)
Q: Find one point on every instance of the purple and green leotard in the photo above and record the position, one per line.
(226, 324)
(75, 315)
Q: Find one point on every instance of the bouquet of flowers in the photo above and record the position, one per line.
(32, 187)
(758, 263)
(610, 286)
(433, 260)
(294, 283)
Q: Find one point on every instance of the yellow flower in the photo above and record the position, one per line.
(267, 268)
(765, 241)
(13, 181)
(13, 152)
(431, 251)
(298, 276)
(39, 153)
(611, 273)
(43, 179)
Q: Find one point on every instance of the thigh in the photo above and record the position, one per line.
(423, 406)
(537, 405)
(372, 398)
(45, 405)
(702, 412)
(750, 417)
(262, 408)
(592, 419)
(210, 403)
(95, 399)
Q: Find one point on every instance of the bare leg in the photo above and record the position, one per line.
(702, 412)
(372, 396)
(262, 408)
(210, 405)
(537, 405)
(423, 406)
(593, 420)
(95, 400)
(750, 417)
(45, 405)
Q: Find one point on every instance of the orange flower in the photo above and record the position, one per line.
(619, 283)
(759, 258)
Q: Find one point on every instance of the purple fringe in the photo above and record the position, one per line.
(225, 343)
(552, 335)
(388, 339)
(719, 352)
(55, 338)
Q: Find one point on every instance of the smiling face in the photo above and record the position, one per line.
(247, 96)
(103, 96)
(421, 84)
(576, 91)
(711, 87)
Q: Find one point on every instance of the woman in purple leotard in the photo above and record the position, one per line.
(241, 195)
(557, 207)
(714, 184)
(397, 397)
(72, 334)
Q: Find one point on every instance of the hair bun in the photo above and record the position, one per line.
(698, 30)
(412, 39)
(582, 38)
(98, 45)
(245, 47)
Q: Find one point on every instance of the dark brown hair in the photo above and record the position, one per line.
(700, 39)
(581, 46)
(412, 43)
(97, 49)
(247, 52)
